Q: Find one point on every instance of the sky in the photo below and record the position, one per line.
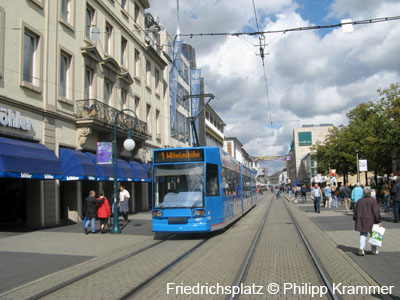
(312, 77)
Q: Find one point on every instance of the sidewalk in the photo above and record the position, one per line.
(339, 227)
(25, 257)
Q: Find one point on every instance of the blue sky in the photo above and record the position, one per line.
(314, 77)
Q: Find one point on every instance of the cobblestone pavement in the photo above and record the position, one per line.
(338, 228)
(281, 258)
(216, 262)
(56, 255)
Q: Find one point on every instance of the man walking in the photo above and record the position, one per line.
(123, 202)
(346, 195)
(328, 195)
(91, 211)
(316, 197)
(396, 200)
(304, 193)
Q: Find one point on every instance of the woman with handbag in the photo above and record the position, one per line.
(103, 212)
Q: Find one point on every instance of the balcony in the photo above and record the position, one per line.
(98, 112)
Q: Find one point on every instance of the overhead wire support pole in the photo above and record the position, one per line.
(192, 119)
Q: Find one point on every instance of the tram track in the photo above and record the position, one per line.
(318, 267)
(93, 271)
(145, 282)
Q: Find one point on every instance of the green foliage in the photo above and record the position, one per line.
(373, 131)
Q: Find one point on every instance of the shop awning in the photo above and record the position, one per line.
(141, 172)
(20, 159)
(105, 172)
(76, 165)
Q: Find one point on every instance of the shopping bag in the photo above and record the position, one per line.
(377, 235)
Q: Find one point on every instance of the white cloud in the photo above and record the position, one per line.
(311, 79)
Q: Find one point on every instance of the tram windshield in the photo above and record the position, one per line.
(179, 185)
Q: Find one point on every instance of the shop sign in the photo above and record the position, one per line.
(13, 119)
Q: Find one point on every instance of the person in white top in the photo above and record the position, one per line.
(316, 197)
(123, 203)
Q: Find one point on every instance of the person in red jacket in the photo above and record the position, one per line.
(103, 212)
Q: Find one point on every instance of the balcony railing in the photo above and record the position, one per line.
(96, 110)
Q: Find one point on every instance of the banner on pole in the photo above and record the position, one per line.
(104, 153)
(175, 49)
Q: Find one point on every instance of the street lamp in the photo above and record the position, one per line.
(129, 124)
(358, 167)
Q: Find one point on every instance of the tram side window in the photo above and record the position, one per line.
(212, 182)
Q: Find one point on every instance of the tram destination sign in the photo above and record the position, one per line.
(179, 155)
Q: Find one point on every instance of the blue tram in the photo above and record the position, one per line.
(199, 189)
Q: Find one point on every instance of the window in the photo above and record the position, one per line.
(108, 42)
(137, 106)
(148, 117)
(88, 86)
(212, 182)
(123, 4)
(148, 74)
(64, 86)
(88, 83)
(137, 63)
(158, 129)
(137, 14)
(179, 185)
(108, 88)
(90, 14)
(124, 98)
(31, 57)
(124, 45)
(66, 14)
(157, 81)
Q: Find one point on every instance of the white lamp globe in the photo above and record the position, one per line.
(129, 144)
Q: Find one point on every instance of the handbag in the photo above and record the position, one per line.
(109, 222)
(377, 235)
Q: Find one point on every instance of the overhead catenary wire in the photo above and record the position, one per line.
(315, 27)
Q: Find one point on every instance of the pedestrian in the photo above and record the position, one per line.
(346, 194)
(91, 211)
(103, 212)
(386, 197)
(304, 193)
(328, 196)
(356, 194)
(366, 214)
(316, 197)
(335, 194)
(123, 202)
(396, 200)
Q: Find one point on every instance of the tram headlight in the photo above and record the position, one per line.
(157, 213)
(199, 212)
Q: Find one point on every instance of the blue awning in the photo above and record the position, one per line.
(76, 165)
(105, 172)
(141, 172)
(19, 159)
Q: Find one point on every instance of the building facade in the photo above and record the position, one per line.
(303, 139)
(67, 68)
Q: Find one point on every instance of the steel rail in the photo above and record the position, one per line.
(243, 269)
(314, 257)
